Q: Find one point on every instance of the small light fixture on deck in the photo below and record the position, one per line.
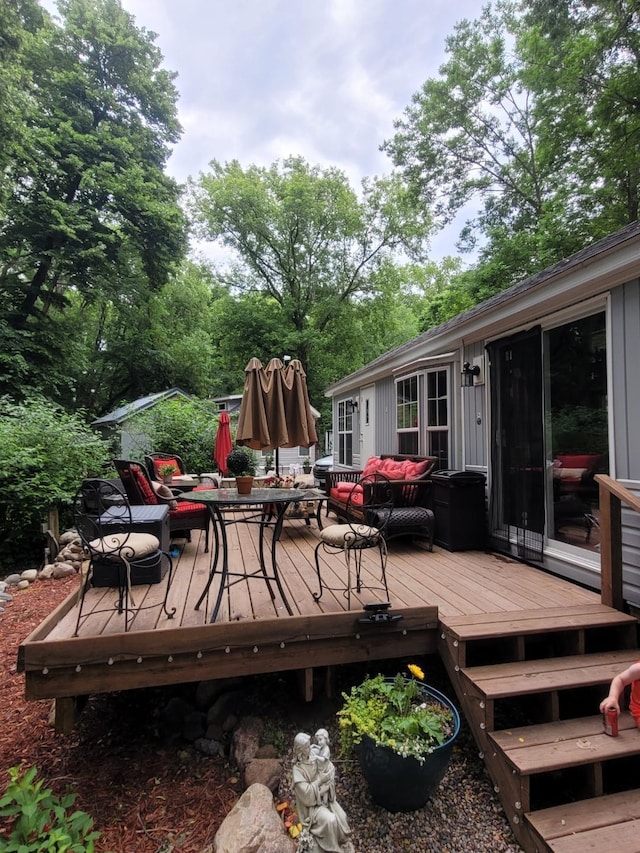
(469, 373)
(378, 612)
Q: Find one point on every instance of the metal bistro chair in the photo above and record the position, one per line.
(372, 494)
(118, 556)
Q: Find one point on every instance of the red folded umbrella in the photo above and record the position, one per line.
(223, 443)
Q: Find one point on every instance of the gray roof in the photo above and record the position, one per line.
(128, 410)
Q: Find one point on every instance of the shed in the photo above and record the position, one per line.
(118, 424)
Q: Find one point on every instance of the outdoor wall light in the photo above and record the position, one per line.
(469, 372)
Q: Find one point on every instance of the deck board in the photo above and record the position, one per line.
(424, 587)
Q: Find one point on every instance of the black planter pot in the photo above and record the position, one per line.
(403, 784)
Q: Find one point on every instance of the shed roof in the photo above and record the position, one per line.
(128, 410)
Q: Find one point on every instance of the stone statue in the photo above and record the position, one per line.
(324, 823)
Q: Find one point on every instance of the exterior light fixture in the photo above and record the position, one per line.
(469, 372)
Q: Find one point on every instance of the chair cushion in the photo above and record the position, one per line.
(345, 535)
(148, 495)
(133, 545)
(184, 507)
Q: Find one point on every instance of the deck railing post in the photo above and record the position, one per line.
(610, 549)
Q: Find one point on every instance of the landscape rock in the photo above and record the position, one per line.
(12, 580)
(263, 771)
(245, 741)
(63, 570)
(29, 575)
(253, 826)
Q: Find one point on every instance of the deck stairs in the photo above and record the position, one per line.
(529, 684)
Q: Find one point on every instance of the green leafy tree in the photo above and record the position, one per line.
(303, 236)
(532, 121)
(88, 207)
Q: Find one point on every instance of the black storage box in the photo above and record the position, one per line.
(147, 570)
(459, 510)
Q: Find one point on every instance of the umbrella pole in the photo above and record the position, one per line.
(277, 461)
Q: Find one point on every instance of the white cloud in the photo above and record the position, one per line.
(260, 80)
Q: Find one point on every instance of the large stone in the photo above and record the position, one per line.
(29, 575)
(253, 826)
(263, 771)
(63, 570)
(246, 740)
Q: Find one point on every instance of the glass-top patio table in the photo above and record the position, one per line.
(264, 507)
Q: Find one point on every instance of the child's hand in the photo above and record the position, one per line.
(610, 703)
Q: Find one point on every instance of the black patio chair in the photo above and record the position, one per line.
(367, 513)
(118, 556)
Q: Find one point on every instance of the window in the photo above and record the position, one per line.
(438, 417)
(576, 424)
(345, 432)
(407, 415)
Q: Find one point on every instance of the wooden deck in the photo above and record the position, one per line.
(254, 633)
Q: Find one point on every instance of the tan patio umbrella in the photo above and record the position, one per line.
(275, 410)
(253, 429)
(300, 420)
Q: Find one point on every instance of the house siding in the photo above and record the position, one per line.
(474, 416)
(625, 340)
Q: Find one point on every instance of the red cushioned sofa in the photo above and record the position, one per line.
(410, 478)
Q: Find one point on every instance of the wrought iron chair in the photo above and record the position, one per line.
(184, 516)
(118, 556)
(371, 498)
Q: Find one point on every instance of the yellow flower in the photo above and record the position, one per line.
(416, 671)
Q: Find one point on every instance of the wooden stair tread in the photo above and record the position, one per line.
(566, 743)
(608, 824)
(524, 622)
(519, 678)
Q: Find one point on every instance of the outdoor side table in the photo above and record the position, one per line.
(310, 506)
(264, 507)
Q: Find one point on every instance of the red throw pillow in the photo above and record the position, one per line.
(148, 495)
(373, 464)
(421, 468)
(396, 470)
(169, 460)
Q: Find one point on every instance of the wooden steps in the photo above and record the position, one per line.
(525, 681)
(609, 824)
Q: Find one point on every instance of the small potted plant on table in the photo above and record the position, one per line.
(402, 732)
(167, 472)
(242, 464)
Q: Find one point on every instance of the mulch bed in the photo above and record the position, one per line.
(146, 793)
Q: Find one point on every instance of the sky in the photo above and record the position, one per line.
(260, 80)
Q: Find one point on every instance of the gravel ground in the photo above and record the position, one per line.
(464, 816)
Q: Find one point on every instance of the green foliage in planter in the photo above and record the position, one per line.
(184, 427)
(40, 821)
(394, 712)
(242, 463)
(46, 453)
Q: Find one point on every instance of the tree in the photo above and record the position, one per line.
(304, 238)
(89, 209)
(533, 120)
